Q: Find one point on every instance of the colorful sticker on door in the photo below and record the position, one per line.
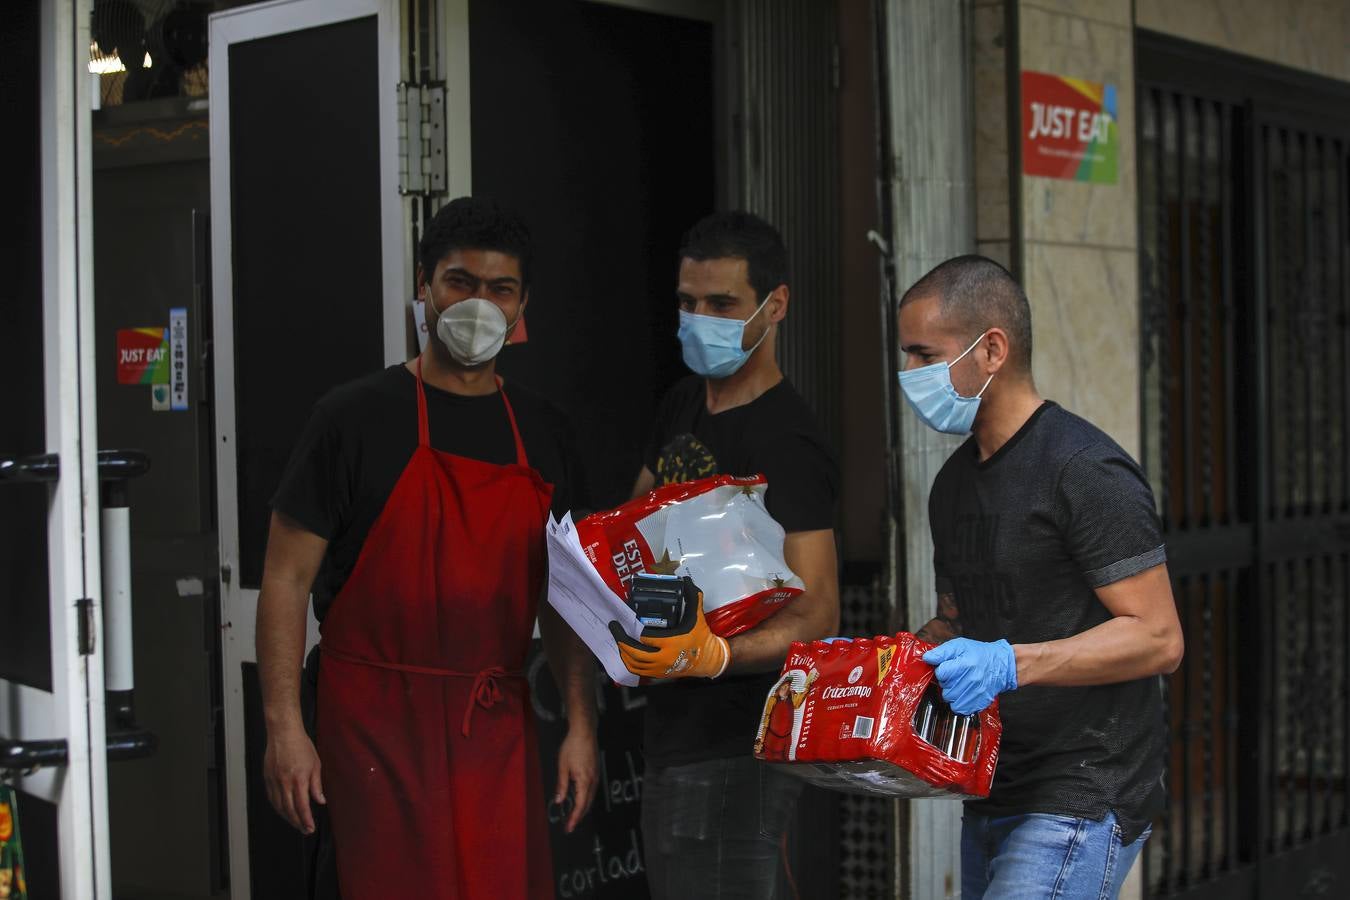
(178, 340)
(143, 356)
(12, 884)
(1069, 128)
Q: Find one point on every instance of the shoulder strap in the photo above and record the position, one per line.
(521, 458)
(423, 431)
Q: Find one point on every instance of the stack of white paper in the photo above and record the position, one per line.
(583, 599)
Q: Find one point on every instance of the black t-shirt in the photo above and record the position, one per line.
(1021, 541)
(362, 434)
(775, 435)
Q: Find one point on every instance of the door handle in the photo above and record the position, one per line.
(43, 467)
(113, 465)
(28, 756)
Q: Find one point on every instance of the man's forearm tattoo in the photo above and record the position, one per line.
(945, 625)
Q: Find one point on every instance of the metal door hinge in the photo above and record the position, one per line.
(84, 609)
(421, 138)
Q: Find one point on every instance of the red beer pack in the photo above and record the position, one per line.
(867, 716)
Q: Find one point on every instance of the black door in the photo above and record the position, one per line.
(596, 123)
(1245, 273)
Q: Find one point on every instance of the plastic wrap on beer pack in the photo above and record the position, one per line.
(867, 716)
(715, 530)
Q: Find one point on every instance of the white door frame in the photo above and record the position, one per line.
(238, 605)
(73, 710)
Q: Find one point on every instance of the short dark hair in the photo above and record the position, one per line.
(740, 235)
(976, 294)
(475, 223)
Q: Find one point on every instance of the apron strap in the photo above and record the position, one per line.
(521, 459)
(423, 432)
(486, 692)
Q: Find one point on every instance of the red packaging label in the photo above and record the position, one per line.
(715, 530)
(867, 716)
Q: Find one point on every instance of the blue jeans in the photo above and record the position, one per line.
(1043, 857)
(712, 830)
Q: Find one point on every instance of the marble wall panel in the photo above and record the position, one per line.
(999, 251)
(1109, 12)
(1085, 333)
(1070, 211)
(1313, 35)
(990, 78)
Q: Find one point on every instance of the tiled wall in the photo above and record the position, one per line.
(993, 224)
(1313, 35)
(1080, 253)
(1078, 250)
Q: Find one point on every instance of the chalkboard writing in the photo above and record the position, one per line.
(602, 858)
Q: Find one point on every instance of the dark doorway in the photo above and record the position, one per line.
(597, 123)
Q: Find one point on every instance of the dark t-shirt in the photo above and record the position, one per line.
(1021, 541)
(775, 435)
(362, 434)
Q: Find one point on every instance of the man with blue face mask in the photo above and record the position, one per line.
(1053, 595)
(713, 818)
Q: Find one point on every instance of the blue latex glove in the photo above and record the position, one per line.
(973, 673)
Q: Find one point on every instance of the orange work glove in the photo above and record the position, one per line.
(689, 650)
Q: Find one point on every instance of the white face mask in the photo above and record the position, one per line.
(473, 330)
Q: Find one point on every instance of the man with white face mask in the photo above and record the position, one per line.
(418, 497)
(1053, 595)
(713, 818)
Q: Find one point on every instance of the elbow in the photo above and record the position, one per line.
(1171, 651)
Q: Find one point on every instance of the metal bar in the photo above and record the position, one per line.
(1343, 204)
(1258, 136)
(1293, 718)
(1183, 105)
(1233, 608)
(1337, 201)
(44, 467)
(1166, 877)
(1323, 324)
(1230, 436)
(1148, 276)
(1269, 730)
(1345, 684)
(1164, 313)
(1186, 732)
(1308, 301)
(1307, 591)
(1326, 662)
(1207, 721)
(1204, 173)
(1282, 392)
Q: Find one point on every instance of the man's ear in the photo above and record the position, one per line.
(996, 347)
(778, 303)
(421, 284)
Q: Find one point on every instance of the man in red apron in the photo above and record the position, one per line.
(417, 497)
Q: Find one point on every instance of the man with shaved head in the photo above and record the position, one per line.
(1052, 595)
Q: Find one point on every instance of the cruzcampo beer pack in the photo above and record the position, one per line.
(867, 716)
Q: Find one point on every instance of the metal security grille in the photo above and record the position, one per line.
(1244, 198)
(866, 824)
(786, 171)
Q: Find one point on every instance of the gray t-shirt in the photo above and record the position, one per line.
(1021, 541)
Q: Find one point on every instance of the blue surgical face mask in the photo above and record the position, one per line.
(931, 395)
(712, 344)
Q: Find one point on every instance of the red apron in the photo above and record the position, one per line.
(430, 760)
